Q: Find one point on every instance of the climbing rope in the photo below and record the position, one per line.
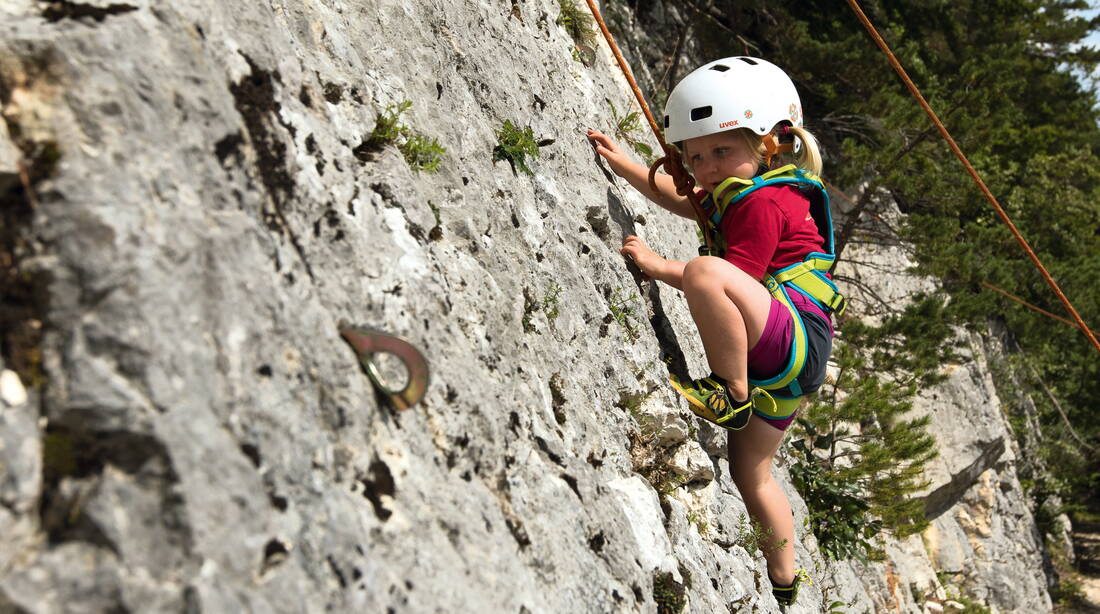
(685, 183)
(1080, 323)
(1027, 304)
(1007, 295)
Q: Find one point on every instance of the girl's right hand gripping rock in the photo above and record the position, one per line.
(648, 261)
(609, 151)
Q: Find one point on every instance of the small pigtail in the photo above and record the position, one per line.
(810, 157)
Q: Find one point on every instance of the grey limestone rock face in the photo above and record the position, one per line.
(983, 539)
(209, 209)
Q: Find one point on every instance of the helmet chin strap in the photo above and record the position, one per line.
(771, 148)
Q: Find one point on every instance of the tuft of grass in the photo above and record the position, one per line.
(626, 127)
(516, 144)
(422, 153)
(623, 311)
(753, 537)
(577, 22)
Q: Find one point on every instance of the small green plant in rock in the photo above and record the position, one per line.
(388, 127)
(753, 537)
(548, 305)
(550, 301)
(670, 595)
(421, 152)
(577, 22)
(632, 403)
(696, 519)
(626, 126)
(622, 311)
(515, 145)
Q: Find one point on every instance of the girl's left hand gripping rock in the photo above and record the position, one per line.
(647, 260)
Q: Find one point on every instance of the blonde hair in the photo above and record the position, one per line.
(809, 158)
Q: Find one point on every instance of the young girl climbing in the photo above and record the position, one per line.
(759, 295)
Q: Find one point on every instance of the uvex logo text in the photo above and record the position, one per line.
(728, 124)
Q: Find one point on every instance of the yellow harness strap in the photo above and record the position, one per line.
(806, 277)
(781, 405)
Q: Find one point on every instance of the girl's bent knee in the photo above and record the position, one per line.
(703, 272)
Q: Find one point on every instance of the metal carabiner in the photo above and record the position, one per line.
(368, 341)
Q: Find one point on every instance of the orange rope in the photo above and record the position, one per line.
(1013, 297)
(1027, 304)
(840, 192)
(685, 184)
(970, 169)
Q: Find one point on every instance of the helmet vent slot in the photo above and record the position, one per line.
(749, 61)
(720, 67)
(699, 113)
(666, 121)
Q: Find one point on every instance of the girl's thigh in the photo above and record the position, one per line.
(750, 296)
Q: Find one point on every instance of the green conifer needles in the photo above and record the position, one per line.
(861, 455)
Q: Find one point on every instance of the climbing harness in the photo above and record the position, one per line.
(807, 277)
(369, 341)
(970, 169)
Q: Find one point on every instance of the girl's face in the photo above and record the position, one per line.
(716, 157)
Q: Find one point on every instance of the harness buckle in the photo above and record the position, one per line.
(841, 305)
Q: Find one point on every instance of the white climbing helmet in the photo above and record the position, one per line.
(735, 92)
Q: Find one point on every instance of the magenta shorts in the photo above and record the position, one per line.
(771, 353)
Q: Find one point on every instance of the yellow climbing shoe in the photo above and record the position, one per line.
(710, 400)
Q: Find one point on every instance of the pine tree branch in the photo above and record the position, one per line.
(1058, 407)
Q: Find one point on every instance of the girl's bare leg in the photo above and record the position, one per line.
(750, 454)
(730, 309)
